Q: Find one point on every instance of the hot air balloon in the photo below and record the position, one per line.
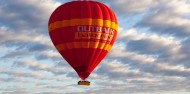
(83, 32)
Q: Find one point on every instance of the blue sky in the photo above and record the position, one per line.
(150, 56)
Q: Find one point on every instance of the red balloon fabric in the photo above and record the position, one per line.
(83, 32)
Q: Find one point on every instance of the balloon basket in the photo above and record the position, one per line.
(85, 83)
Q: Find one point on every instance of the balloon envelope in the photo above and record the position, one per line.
(83, 32)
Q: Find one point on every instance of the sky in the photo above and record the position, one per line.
(151, 54)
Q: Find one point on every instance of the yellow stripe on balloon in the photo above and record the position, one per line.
(75, 45)
(85, 21)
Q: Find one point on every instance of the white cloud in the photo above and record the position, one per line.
(149, 42)
(25, 74)
(56, 68)
(179, 7)
(2, 68)
(33, 14)
(170, 19)
(130, 6)
(121, 52)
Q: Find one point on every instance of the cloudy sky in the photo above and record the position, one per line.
(151, 54)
